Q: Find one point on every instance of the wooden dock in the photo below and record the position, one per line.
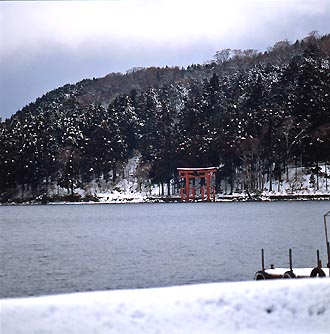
(318, 271)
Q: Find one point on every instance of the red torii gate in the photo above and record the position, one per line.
(205, 174)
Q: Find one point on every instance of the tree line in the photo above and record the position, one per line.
(255, 114)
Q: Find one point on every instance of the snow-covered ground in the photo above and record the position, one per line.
(276, 306)
(133, 185)
(299, 181)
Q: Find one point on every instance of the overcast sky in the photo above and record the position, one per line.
(46, 44)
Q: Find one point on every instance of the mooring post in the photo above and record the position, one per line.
(290, 259)
(328, 250)
(262, 260)
(327, 239)
(319, 264)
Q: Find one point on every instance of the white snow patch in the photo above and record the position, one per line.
(277, 306)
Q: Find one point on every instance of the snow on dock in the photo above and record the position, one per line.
(276, 306)
(298, 272)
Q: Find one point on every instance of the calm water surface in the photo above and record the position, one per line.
(67, 248)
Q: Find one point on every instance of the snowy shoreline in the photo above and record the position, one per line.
(277, 306)
(129, 188)
(139, 199)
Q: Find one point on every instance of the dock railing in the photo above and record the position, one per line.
(317, 271)
(327, 238)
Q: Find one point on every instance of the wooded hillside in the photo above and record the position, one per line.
(255, 114)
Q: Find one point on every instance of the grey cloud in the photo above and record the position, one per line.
(21, 83)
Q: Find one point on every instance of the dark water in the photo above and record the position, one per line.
(69, 248)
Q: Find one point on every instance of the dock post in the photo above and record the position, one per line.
(319, 263)
(328, 250)
(327, 239)
(262, 260)
(290, 259)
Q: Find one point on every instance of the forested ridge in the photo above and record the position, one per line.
(254, 114)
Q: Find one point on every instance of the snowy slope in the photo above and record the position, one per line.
(281, 306)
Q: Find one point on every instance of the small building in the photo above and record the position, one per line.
(197, 183)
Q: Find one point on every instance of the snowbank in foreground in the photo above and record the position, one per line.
(281, 306)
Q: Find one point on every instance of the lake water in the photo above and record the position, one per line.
(55, 249)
